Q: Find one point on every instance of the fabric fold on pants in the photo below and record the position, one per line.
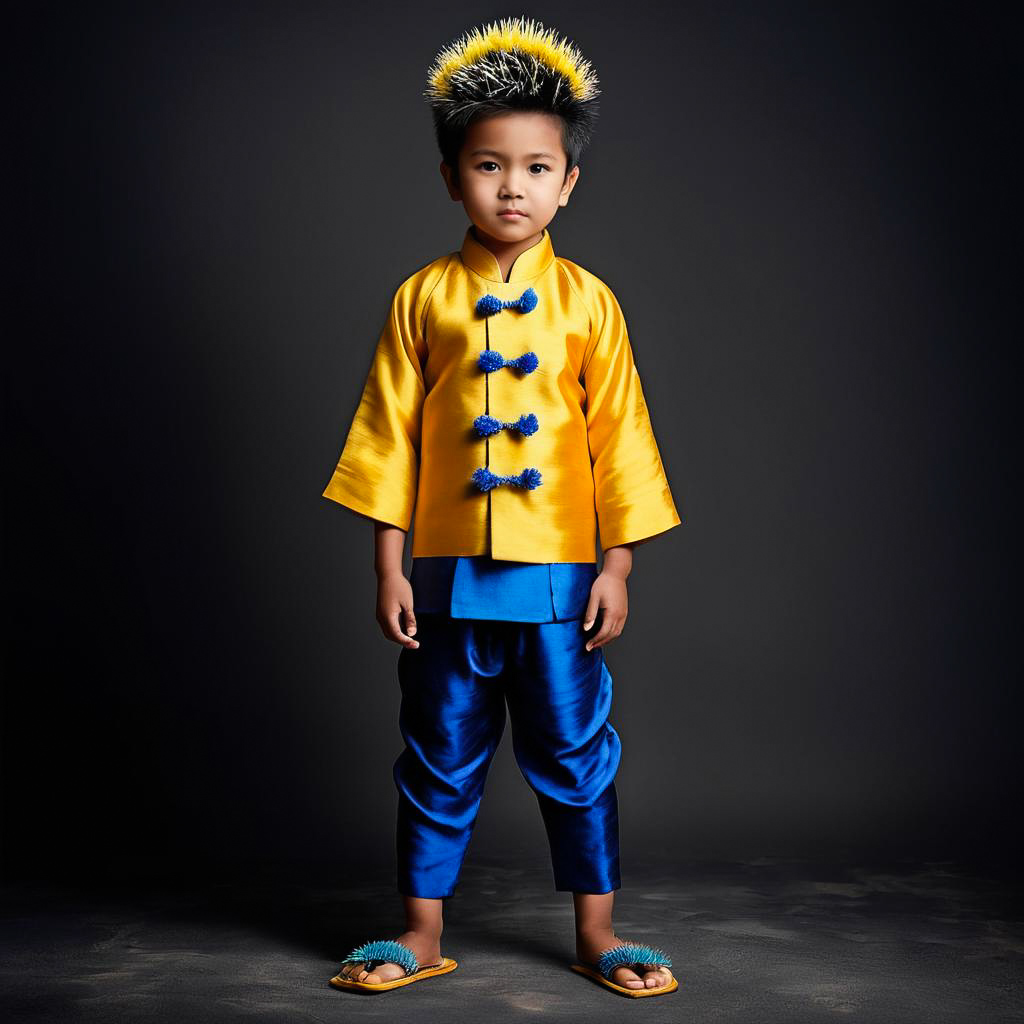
(455, 690)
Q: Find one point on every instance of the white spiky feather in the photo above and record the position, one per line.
(510, 57)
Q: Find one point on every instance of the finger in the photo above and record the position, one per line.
(609, 631)
(593, 606)
(394, 629)
(600, 638)
(410, 621)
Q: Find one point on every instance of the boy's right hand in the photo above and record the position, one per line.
(394, 609)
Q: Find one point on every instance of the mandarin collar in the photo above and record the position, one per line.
(528, 264)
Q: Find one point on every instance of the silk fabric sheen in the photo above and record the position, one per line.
(455, 688)
(479, 587)
(412, 446)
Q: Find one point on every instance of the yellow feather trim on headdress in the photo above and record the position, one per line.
(523, 34)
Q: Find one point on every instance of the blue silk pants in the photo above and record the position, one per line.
(455, 688)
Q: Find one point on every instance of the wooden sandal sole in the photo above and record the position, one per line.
(590, 972)
(444, 967)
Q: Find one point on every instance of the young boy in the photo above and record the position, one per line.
(504, 410)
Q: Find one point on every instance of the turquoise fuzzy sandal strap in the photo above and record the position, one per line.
(630, 955)
(384, 951)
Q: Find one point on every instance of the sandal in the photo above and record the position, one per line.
(380, 951)
(628, 954)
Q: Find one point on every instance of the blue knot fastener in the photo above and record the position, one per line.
(487, 425)
(488, 305)
(486, 480)
(490, 360)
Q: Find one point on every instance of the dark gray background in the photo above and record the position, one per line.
(805, 213)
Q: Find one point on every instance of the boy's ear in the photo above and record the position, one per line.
(451, 181)
(568, 185)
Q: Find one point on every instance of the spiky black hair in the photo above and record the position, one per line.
(512, 64)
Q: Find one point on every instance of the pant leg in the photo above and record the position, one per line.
(559, 698)
(452, 718)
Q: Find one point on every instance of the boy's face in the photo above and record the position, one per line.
(513, 160)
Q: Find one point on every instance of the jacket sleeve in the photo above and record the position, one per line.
(631, 491)
(378, 470)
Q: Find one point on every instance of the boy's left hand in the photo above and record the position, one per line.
(607, 595)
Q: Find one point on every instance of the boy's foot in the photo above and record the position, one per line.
(428, 954)
(589, 947)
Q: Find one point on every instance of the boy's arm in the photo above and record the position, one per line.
(608, 595)
(395, 599)
(631, 491)
(378, 470)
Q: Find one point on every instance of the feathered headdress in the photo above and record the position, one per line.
(517, 64)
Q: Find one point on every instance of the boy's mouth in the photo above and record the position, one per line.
(511, 214)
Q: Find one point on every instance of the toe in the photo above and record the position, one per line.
(657, 977)
(383, 972)
(627, 977)
(356, 971)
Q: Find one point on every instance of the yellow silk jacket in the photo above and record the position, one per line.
(508, 416)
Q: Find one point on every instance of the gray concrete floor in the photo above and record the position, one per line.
(759, 941)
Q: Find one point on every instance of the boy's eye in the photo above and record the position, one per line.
(486, 164)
